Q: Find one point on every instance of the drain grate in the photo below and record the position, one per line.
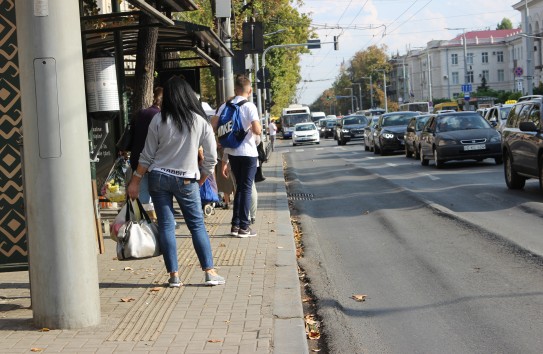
(301, 196)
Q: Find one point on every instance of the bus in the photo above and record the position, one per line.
(446, 106)
(295, 113)
(423, 107)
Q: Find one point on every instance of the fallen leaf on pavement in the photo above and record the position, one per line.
(127, 299)
(272, 230)
(44, 330)
(215, 340)
(306, 299)
(222, 245)
(279, 246)
(36, 349)
(127, 268)
(157, 288)
(359, 298)
(315, 350)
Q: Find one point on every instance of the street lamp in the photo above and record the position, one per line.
(371, 90)
(466, 102)
(385, 87)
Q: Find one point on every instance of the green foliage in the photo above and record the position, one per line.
(505, 24)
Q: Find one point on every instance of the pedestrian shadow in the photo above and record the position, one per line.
(17, 324)
(14, 286)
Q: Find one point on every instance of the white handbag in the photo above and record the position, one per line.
(137, 238)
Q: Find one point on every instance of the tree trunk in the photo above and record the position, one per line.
(145, 63)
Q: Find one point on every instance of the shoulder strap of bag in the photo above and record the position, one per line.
(241, 103)
(142, 211)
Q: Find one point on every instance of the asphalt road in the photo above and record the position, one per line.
(450, 260)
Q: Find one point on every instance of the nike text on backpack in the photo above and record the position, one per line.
(230, 127)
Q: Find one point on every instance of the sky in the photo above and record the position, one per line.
(399, 24)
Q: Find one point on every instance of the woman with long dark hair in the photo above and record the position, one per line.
(170, 156)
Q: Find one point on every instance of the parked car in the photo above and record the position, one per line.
(412, 134)
(329, 128)
(459, 136)
(522, 144)
(350, 128)
(369, 131)
(529, 98)
(390, 130)
(497, 115)
(305, 133)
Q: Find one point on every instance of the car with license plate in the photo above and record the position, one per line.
(305, 133)
(369, 131)
(329, 128)
(459, 136)
(390, 130)
(413, 132)
(522, 144)
(350, 128)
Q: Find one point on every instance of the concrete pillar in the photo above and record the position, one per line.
(57, 179)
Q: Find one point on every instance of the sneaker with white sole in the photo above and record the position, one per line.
(246, 233)
(214, 279)
(174, 282)
(234, 230)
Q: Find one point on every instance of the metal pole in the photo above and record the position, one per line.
(404, 81)
(227, 70)
(62, 246)
(359, 102)
(466, 102)
(352, 104)
(529, 50)
(385, 87)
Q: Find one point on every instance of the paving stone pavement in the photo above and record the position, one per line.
(258, 310)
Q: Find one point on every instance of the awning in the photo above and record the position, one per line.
(181, 37)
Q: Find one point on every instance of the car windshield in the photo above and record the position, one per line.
(355, 120)
(504, 112)
(330, 124)
(305, 127)
(461, 122)
(421, 121)
(396, 119)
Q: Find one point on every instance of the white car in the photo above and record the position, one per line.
(305, 133)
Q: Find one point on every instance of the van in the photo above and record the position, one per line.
(315, 116)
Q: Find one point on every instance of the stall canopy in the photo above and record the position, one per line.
(98, 35)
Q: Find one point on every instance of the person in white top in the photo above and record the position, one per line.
(243, 159)
(272, 128)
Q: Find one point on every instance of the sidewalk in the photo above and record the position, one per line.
(258, 310)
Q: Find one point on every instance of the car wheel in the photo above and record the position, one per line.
(498, 160)
(408, 152)
(376, 150)
(318, 142)
(423, 161)
(366, 147)
(512, 178)
(417, 154)
(437, 160)
(293, 144)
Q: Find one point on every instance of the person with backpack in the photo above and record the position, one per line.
(237, 126)
(170, 156)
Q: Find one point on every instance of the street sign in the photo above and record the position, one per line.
(518, 71)
(467, 88)
(313, 44)
(466, 96)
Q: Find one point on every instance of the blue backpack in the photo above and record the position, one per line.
(230, 127)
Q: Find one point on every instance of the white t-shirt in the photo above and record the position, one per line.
(272, 128)
(249, 113)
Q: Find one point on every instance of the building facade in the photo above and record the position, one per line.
(439, 70)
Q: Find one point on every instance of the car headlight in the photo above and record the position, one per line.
(345, 130)
(388, 136)
(444, 142)
(495, 138)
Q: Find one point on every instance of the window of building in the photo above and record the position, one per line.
(455, 78)
(484, 57)
(500, 56)
(470, 77)
(454, 59)
(501, 75)
(486, 75)
(469, 59)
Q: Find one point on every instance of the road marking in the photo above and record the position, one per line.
(391, 164)
(433, 178)
(319, 149)
(300, 150)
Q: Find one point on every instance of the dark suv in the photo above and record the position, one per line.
(350, 128)
(522, 144)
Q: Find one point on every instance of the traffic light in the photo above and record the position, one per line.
(336, 43)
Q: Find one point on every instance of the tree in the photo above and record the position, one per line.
(483, 87)
(505, 24)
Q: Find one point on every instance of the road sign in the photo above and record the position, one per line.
(518, 71)
(313, 44)
(466, 96)
(467, 88)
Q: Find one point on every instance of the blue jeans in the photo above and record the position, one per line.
(244, 170)
(163, 188)
(144, 196)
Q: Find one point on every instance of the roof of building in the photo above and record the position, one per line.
(472, 35)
